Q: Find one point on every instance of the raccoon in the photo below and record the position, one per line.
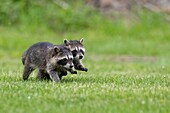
(51, 60)
(78, 52)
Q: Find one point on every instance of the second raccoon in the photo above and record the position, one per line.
(78, 51)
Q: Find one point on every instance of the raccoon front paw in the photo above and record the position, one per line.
(73, 72)
(85, 69)
(82, 68)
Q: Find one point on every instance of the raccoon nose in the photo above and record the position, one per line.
(71, 66)
(80, 57)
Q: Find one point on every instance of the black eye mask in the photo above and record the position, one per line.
(82, 51)
(74, 52)
(63, 61)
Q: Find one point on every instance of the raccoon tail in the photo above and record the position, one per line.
(23, 58)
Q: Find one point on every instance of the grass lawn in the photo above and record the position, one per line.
(129, 72)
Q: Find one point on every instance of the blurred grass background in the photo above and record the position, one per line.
(23, 22)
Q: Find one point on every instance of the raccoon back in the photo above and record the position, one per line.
(36, 54)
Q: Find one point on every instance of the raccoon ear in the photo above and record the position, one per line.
(53, 51)
(66, 42)
(81, 40)
(56, 49)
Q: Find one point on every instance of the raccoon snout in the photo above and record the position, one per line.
(71, 66)
(80, 57)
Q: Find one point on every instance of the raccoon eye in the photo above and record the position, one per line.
(63, 61)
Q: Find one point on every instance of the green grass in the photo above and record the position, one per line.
(129, 69)
(107, 87)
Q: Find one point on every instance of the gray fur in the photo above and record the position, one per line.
(45, 56)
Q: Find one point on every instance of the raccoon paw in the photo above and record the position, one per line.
(73, 72)
(85, 69)
(82, 68)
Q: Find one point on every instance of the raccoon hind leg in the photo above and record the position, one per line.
(27, 72)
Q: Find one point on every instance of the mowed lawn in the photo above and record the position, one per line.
(129, 72)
